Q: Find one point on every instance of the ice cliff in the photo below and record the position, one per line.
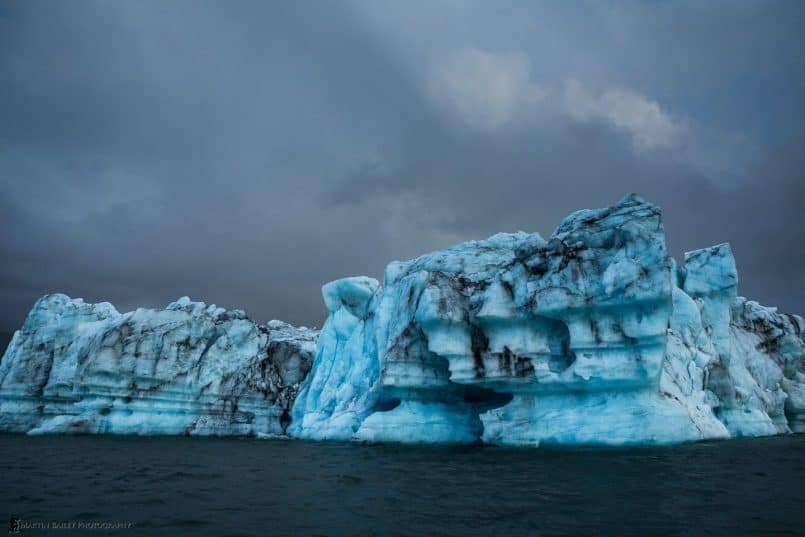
(592, 336)
(188, 369)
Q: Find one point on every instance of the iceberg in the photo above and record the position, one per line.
(593, 336)
(188, 369)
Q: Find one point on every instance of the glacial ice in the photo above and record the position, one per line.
(341, 389)
(593, 336)
(188, 369)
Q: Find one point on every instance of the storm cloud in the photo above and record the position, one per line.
(246, 153)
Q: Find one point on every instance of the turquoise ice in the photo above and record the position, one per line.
(593, 336)
(188, 369)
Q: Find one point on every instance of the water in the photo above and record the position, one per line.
(204, 486)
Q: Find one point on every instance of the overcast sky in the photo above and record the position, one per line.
(246, 153)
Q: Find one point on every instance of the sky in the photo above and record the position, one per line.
(245, 153)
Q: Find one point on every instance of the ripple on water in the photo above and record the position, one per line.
(176, 486)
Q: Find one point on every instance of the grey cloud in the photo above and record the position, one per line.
(245, 153)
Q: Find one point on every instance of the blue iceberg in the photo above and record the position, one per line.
(188, 369)
(593, 336)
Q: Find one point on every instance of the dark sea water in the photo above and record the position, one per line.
(203, 486)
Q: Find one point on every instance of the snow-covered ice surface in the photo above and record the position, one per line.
(188, 369)
(592, 336)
